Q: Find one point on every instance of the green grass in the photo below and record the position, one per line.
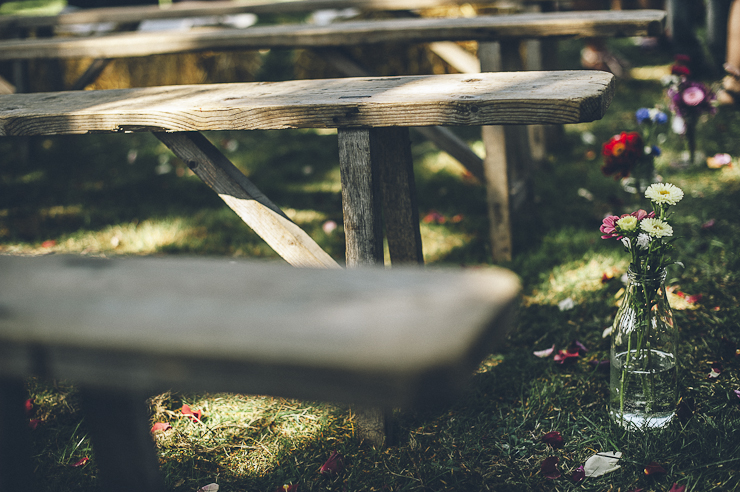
(126, 194)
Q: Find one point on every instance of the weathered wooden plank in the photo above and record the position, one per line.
(391, 147)
(443, 138)
(361, 199)
(205, 8)
(416, 30)
(364, 335)
(241, 195)
(459, 99)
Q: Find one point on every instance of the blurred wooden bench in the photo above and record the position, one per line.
(508, 153)
(123, 330)
(372, 117)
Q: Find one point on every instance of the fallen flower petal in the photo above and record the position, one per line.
(566, 304)
(545, 353)
(28, 407)
(602, 463)
(607, 331)
(564, 356)
(161, 426)
(553, 438)
(549, 468)
(601, 365)
(579, 474)
(577, 347)
(288, 488)
(333, 465)
(194, 415)
(737, 393)
(654, 468)
(211, 487)
(677, 488)
(34, 423)
(79, 463)
(715, 371)
(50, 243)
(708, 224)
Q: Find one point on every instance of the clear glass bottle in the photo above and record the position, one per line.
(644, 350)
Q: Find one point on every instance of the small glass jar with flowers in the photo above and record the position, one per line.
(644, 336)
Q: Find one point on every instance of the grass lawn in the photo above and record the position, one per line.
(111, 195)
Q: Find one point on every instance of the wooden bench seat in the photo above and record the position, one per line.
(125, 329)
(372, 116)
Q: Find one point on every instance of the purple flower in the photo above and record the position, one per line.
(549, 468)
(579, 474)
(553, 438)
(691, 99)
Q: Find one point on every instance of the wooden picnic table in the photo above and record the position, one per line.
(508, 155)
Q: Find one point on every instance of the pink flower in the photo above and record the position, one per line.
(564, 356)
(333, 464)
(677, 488)
(609, 227)
(693, 96)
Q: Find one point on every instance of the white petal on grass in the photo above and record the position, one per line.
(566, 304)
(544, 353)
(607, 331)
(602, 463)
(211, 487)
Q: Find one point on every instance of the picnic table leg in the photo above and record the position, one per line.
(124, 449)
(508, 155)
(375, 162)
(15, 456)
(242, 196)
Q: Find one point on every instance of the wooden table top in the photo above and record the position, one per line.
(446, 100)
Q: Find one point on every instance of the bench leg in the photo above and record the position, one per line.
(508, 156)
(15, 456)
(264, 217)
(120, 434)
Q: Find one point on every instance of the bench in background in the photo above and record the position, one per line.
(123, 330)
(509, 155)
(372, 115)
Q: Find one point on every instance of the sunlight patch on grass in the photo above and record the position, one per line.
(574, 279)
(143, 238)
(435, 162)
(304, 216)
(438, 241)
(655, 72)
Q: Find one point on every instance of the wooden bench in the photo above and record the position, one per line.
(123, 330)
(508, 154)
(372, 116)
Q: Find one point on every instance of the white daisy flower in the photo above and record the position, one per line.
(656, 227)
(664, 193)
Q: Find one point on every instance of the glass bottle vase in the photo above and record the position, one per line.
(643, 386)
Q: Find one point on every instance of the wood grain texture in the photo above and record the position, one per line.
(415, 30)
(243, 197)
(361, 199)
(186, 9)
(459, 99)
(364, 335)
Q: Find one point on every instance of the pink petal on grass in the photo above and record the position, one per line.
(194, 415)
(161, 426)
(564, 356)
(28, 407)
(737, 393)
(34, 423)
(545, 353)
(79, 463)
(579, 474)
(549, 468)
(654, 468)
(333, 465)
(677, 488)
(577, 346)
(553, 438)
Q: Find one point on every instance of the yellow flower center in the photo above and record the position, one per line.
(618, 149)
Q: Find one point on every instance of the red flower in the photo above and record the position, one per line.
(29, 407)
(81, 462)
(680, 70)
(161, 426)
(553, 438)
(564, 356)
(621, 153)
